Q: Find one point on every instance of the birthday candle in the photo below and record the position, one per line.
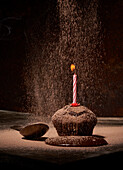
(74, 87)
(74, 104)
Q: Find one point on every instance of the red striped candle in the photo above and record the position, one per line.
(74, 87)
(74, 104)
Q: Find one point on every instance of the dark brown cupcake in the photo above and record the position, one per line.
(76, 121)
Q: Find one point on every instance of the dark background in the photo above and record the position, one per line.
(16, 16)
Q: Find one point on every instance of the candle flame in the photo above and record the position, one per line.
(72, 67)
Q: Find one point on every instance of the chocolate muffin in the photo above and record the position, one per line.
(74, 121)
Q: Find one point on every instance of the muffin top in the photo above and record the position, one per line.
(70, 114)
